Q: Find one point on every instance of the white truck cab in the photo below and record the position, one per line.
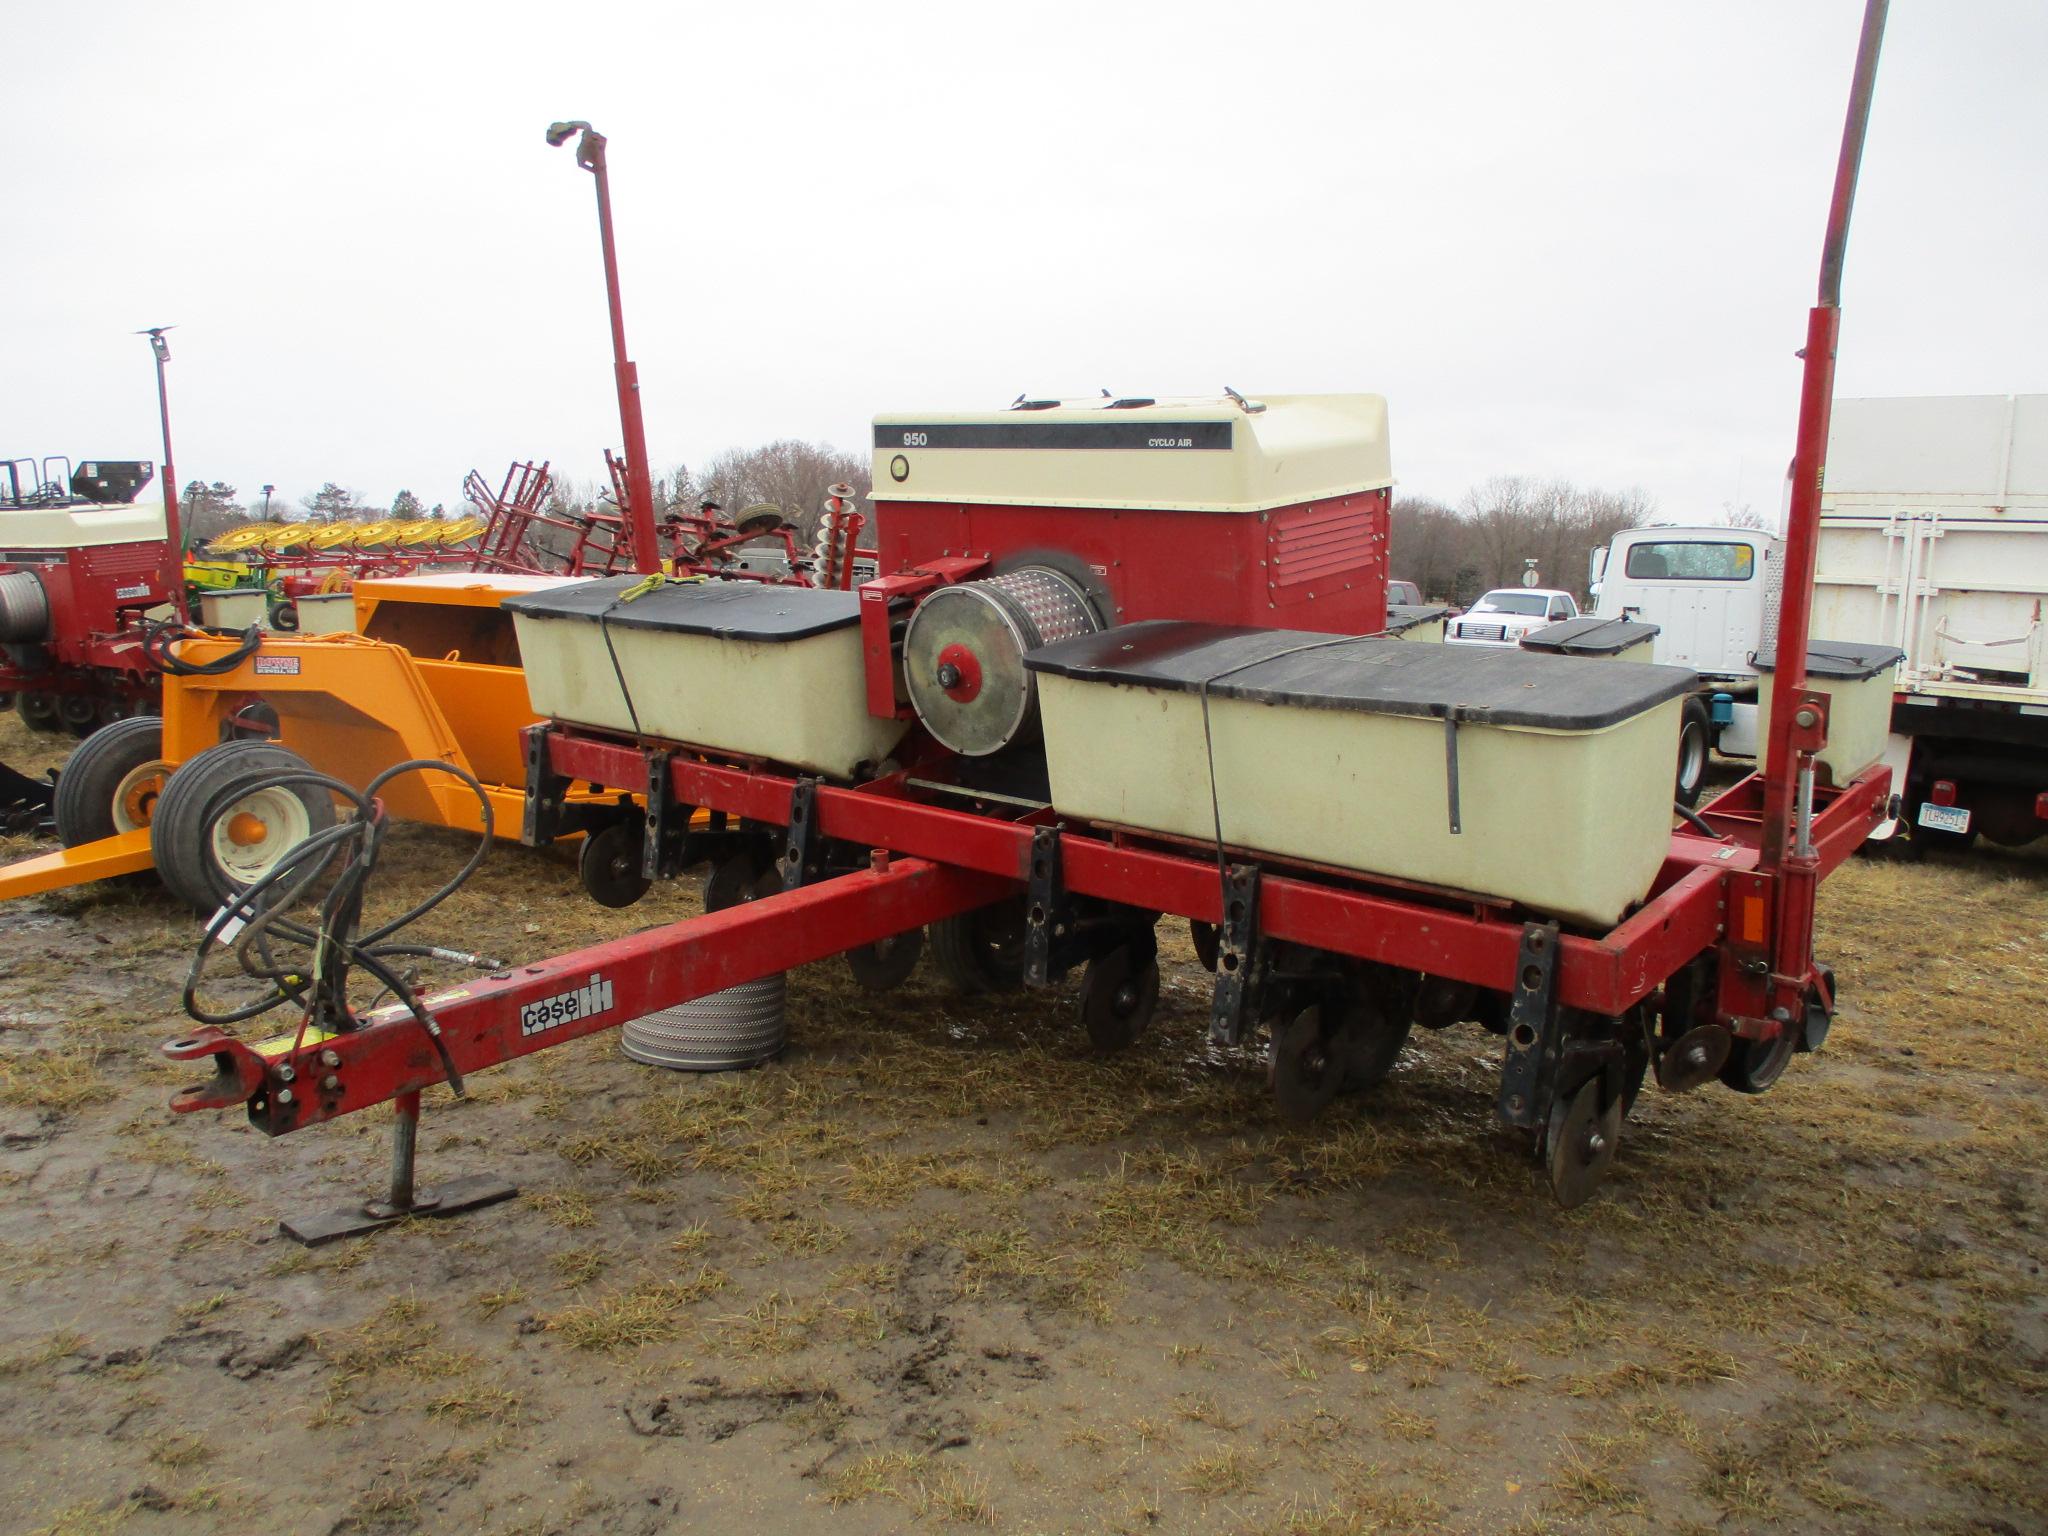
(1712, 592)
(1504, 615)
(1706, 589)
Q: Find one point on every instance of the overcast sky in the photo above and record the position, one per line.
(1565, 238)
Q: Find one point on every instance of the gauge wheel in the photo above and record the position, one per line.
(1119, 995)
(983, 950)
(1368, 1038)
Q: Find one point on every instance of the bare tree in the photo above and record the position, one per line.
(788, 474)
(1499, 526)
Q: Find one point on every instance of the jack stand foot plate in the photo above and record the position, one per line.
(450, 1199)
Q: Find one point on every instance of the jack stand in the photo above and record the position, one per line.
(458, 1195)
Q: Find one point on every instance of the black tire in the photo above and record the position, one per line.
(204, 793)
(1695, 739)
(887, 963)
(39, 712)
(105, 787)
(1367, 1040)
(983, 950)
(1208, 941)
(284, 617)
(1118, 997)
(609, 865)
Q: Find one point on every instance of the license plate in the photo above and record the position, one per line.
(1944, 818)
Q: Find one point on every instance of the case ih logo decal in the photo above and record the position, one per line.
(567, 1007)
(122, 594)
(277, 666)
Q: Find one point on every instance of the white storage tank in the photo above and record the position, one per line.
(1542, 780)
(741, 667)
(1858, 681)
(326, 613)
(234, 607)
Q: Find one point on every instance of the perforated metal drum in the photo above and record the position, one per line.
(740, 1027)
(963, 655)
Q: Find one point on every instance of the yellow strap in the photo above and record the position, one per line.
(655, 582)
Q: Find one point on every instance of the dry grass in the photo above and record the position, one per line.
(650, 1312)
(60, 1081)
(928, 1489)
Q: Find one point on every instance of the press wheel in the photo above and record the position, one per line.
(1580, 1141)
(1817, 1018)
(1118, 997)
(1754, 1065)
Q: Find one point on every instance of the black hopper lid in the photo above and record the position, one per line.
(1371, 674)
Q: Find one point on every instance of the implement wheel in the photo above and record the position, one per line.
(1118, 997)
(215, 832)
(982, 950)
(112, 782)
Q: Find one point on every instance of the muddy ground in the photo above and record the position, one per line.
(940, 1266)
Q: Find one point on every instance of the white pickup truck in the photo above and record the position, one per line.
(1504, 615)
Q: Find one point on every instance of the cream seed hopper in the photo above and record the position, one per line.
(1857, 679)
(1396, 834)
(759, 671)
(1533, 779)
